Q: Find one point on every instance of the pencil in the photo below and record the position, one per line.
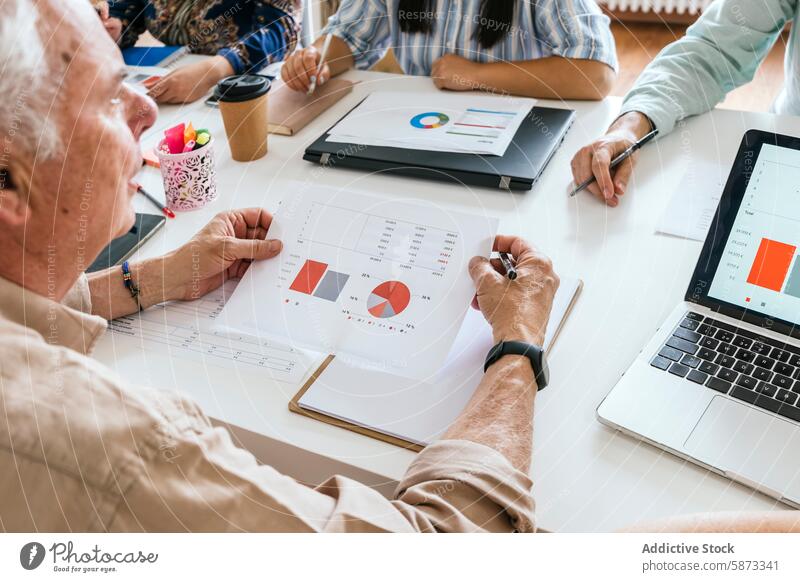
(167, 212)
(325, 46)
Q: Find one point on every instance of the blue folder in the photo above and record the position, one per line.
(151, 56)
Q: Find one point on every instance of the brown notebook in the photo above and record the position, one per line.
(290, 111)
(358, 422)
(294, 406)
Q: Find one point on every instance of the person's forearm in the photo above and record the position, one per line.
(500, 413)
(727, 522)
(268, 44)
(110, 297)
(219, 68)
(720, 52)
(548, 78)
(634, 123)
(339, 56)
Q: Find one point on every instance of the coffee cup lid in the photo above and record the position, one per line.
(242, 87)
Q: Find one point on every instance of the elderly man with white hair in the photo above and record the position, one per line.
(79, 446)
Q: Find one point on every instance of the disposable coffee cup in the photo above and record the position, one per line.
(243, 104)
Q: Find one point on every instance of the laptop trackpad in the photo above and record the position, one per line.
(756, 446)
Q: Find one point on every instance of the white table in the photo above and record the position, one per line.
(587, 477)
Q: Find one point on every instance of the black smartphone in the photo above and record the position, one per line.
(123, 247)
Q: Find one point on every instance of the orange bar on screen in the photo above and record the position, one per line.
(771, 264)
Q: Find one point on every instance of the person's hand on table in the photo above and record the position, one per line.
(221, 250)
(301, 66)
(191, 82)
(595, 158)
(455, 73)
(518, 309)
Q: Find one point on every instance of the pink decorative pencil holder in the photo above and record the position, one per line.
(190, 179)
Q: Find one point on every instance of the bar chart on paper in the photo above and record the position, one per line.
(365, 276)
(486, 124)
(376, 254)
(317, 280)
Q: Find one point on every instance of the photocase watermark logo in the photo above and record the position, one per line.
(66, 557)
(31, 555)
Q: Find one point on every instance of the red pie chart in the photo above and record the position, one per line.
(388, 299)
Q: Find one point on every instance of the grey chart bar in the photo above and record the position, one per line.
(331, 285)
(793, 284)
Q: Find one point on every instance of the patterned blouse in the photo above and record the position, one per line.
(249, 33)
(574, 29)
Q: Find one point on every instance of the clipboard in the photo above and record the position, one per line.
(294, 403)
(534, 144)
(294, 406)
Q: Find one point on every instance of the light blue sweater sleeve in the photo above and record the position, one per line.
(720, 52)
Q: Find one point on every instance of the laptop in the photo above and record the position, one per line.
(535, 142)
(719, 382)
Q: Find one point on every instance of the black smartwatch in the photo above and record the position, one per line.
(534, 353)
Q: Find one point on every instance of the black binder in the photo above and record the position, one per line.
(534, 144)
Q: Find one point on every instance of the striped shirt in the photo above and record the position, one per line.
(575, 29)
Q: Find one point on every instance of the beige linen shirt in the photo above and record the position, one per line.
(83, 450)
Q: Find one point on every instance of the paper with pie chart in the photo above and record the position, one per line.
(450, 122)
(388, 299)
(381, 282)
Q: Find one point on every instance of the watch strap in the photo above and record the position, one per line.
(534, 353)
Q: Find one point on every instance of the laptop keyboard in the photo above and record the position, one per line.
(737, 362)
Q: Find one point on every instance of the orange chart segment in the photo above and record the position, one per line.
(388, 299)
(308, 277)
(771, 264)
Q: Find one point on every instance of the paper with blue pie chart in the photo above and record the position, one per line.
(448, 122)
(429, 120)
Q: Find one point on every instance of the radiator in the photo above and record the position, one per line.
(657, 6)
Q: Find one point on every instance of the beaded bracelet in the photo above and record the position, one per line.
(129, 284)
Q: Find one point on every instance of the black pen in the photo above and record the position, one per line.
(511, 271)
(167, 212)
(618, 160)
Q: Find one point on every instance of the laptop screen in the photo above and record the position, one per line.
(759, 268)
(748, 268)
